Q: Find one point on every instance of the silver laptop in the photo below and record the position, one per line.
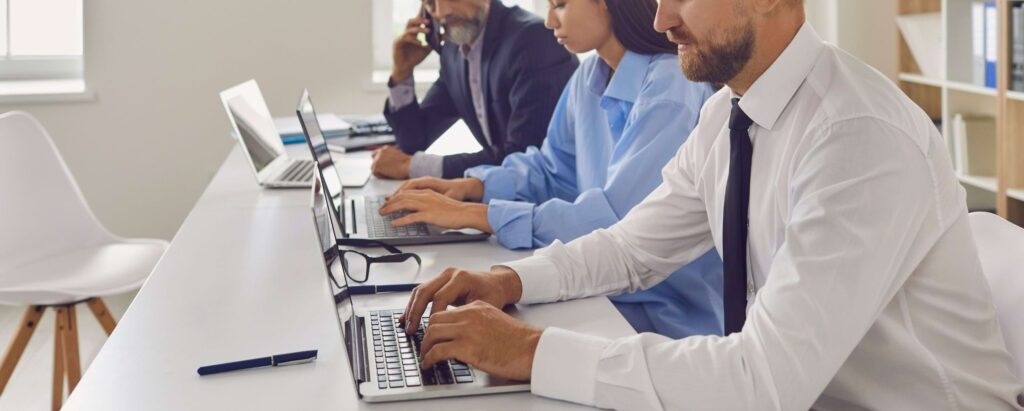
(358, 216)
(251, 121)
(385, 362)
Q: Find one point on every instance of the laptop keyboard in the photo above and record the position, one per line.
(298, 171)
(396, 356)
(380, 225)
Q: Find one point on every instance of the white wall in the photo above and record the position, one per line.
(864, 28)
(144, 150)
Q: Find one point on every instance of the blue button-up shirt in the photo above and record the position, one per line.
(606, 145)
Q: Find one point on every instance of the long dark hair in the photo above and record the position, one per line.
(633, 25)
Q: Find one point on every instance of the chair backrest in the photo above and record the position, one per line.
(1001, 249)
(42, 211)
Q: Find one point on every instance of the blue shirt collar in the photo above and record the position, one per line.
(626, 83)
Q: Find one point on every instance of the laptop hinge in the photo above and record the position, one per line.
(360, 362)
(354, 225)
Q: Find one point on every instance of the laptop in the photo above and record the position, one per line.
(251, 121)
(385, 362)
(358, 216)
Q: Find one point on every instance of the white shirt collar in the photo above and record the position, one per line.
(771, 93)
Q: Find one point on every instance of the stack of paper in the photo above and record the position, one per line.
(974, 141)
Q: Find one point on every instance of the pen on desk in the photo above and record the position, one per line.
(300, 357)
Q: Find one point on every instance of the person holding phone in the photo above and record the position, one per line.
(501, 73)
(623, 114)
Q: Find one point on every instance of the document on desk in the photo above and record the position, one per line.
(331, 125)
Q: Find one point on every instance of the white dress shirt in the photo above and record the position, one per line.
(869, 292)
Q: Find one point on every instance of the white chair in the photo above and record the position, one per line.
(1001, 249)
(54, 253)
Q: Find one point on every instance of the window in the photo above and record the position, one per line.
(389, 18)
(40, 40)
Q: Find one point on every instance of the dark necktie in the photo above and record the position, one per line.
(734, 226)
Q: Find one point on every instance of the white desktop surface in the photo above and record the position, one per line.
(243, 278)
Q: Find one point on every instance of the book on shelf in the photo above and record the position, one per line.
(991, 43)
(974, 145)
(1017, 47)
(978, 43)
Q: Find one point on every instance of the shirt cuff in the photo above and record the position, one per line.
(426, 165)
(512, 222)
(539, 277)
(565, 365)
(402, 94)
(499, 183)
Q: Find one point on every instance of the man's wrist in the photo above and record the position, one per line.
(511, 283)
(476, 217)
(398, 77)
(474, 188)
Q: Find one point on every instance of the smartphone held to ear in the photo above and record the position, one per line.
(433, 39)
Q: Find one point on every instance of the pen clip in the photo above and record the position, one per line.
(301, 357)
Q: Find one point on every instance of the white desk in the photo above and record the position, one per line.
(242, 279)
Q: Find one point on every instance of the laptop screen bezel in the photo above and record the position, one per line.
(250, 92)
(317, 147)
(331, 259)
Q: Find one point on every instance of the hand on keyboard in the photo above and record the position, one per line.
(461, 189)
(431, 207)
(482, 336)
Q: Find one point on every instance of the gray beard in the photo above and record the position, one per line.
(463, 34)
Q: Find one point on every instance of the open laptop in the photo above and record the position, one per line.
(385, 362)
(357, 216)
(251, 121)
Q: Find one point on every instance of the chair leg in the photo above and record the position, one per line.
(58, 360)
(71, 361)
(29, 321)
(99, 309)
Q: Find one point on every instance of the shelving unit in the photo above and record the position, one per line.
(943, 98)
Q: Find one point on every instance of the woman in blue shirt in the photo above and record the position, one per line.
(622, 116)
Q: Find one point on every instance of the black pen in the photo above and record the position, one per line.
(300, 357)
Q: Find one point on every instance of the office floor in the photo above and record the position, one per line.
(29, 388)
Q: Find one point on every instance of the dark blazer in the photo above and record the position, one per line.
(524, 71)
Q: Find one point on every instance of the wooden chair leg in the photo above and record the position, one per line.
(99, 309)
(29, 321)
(72, 364)
(58, 360)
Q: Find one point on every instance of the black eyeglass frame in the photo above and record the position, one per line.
(396, 256)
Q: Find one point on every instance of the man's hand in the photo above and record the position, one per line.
(499, 288)
(431, 207)
(390, 162)
(482, 336)
(460, 189)
(408, 51)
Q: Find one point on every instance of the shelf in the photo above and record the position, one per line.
(920, 79)
(982, 182)
(1016, 193)
(1015, 95)
(971, 88)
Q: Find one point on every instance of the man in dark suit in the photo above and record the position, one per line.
(502, 72)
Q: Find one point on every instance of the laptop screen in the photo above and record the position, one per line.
(328, 173)
(251, 122)
(336, 279)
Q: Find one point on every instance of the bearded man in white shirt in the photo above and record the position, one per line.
(852, 280)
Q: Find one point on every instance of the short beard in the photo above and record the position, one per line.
(719, 63)
(463, 31)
